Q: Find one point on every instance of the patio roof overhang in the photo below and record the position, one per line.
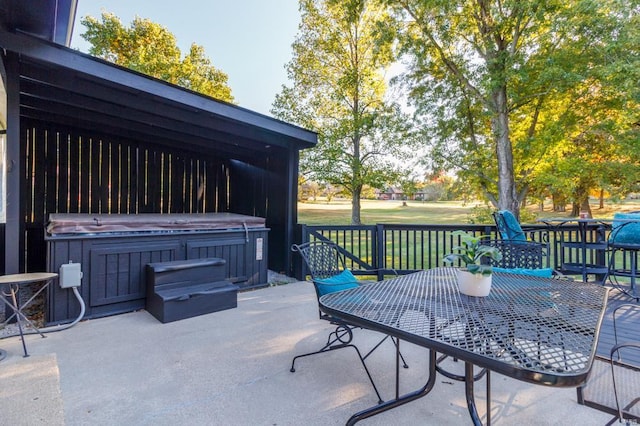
(48, 19)
(68, 87)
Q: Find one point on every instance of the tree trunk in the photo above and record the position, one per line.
(601, 205)
(581, 199)
(580, 207)
(559, 202)
(575, 208)
(355, 206)
(586, 207)
(507, 193)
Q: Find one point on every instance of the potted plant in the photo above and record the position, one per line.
(474, 279)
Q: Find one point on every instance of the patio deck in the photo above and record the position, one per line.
(232, 368)
(627, 328)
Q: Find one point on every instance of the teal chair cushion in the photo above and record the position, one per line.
(623, 232)
(512, 229)
(542, 272)
(342, 281)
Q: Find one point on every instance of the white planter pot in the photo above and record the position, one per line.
(473, 284)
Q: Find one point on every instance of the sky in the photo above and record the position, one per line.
(249, 40)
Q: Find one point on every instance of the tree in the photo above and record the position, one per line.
(330, 192)
(409, 186)
(488, 76)
(151, 49)
(338, 89)
(596, 146)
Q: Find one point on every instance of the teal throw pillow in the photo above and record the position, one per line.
(512, 229)
(624, 232)
(542, 272)
(342, 281)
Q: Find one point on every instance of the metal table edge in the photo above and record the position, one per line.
(524, 374)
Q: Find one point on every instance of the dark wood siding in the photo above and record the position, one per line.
(69, 171)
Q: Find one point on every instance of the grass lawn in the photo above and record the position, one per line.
(338, 212)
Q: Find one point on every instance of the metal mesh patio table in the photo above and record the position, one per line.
(534, 329)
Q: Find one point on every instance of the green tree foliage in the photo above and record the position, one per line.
(596, 145)
(598, 149)
(504, 88)
(151, 49)
(409, 186)
(338, 89)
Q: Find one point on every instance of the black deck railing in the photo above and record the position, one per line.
(386, 249)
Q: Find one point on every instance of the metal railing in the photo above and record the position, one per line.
(386, 249)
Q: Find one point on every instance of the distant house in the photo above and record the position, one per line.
(420, 195)
(390, 193)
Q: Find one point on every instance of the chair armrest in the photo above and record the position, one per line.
(623, 345)
(625, 308)
(621, 396)
(372, 272)
(557, 275)
(616, 357)
(539, 235)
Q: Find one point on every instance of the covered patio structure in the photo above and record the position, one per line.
(82, 135)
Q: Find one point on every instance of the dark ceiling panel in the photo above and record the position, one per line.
(179, 131)
(51, 65)
(101, 125)
(75, 91)
(123, 81)
(51, 20)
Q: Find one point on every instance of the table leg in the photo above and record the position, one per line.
(17, 310)
(388, 405)
(397, 369)
(488, 397)
(471, 403)
(19, 321)
(31, 299)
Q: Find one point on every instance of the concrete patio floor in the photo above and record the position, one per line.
(232, 368)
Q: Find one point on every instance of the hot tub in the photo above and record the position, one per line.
(114, 250)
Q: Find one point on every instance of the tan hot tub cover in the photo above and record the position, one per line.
(148, 222)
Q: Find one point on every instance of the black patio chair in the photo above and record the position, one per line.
(329, 273)
(624, 239)
(517, 250)
(631, 398)
(519, 254)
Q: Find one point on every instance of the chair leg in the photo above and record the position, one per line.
(395, 343)
(611, 266)
(624, 411)
(339, 333)
(632, 283)
(332, 344)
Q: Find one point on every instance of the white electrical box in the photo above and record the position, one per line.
(70, 275)
(259, 248)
